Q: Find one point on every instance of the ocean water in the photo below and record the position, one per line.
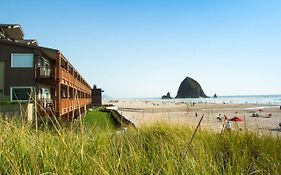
(248, 99)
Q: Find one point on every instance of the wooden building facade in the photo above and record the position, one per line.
(43, 76)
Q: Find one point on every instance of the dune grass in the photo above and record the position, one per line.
(159, 149)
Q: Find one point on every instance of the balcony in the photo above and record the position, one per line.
(45, 107)
(46, 72)
(68, 105)
(45, 103)
(64, 74)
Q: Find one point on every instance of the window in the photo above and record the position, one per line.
(21, 93)
(22, 60)
(43, 62)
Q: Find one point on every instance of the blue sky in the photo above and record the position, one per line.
(145, 48)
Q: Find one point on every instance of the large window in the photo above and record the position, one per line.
(22, 60)
(21, 93)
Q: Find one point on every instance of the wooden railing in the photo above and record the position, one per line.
(64, 74)
(45, 72)
(45, 104)
(68, 105)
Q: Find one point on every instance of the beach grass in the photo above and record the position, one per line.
(158, 149)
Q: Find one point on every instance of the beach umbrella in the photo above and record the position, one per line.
(236, 119)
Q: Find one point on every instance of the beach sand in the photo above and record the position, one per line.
(142, 112)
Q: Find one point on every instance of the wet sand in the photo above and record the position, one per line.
(149, 112)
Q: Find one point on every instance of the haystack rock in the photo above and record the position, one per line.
(190, 88)
(168, 96)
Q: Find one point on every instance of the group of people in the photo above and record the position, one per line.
(220, 118)
(228, 124)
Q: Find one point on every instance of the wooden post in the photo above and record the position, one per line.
(245, 124)
(58, 85)
(190, 142)
(35, 109)
(196, 130)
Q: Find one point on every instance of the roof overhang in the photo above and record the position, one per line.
(29, 42)
(13, 31)
(50, 53)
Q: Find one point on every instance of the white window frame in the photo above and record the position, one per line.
(12, 58)
(19, 87)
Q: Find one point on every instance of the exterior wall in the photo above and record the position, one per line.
(1, 79)
(77, 96)
(15, 76)
(45, 85)
(26, 111)
(96, 97)
(74, 94)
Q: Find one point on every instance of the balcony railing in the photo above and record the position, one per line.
(71, 79)
(67, 105)
(46, 72)
(46, 104)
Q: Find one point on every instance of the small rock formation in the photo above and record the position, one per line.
(168, 96)
(215, 96)
(189, 88)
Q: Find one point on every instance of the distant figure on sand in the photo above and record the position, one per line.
(225, 117)
(219, 118)
(196, 115)
(228, 126)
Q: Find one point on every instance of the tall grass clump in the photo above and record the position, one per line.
(159, 149)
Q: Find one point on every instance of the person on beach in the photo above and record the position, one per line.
(225, 117)
(219, 118)
(196, 115)
(228, 126)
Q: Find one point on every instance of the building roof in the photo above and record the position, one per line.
(51, 53)
(28, 41)
(12, 31)
(15, 36)
(15, 32)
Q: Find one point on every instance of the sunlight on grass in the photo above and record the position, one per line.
(99, 119)
(158, 149)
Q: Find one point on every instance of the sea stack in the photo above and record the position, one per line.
(168, 96)
(190, 88)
